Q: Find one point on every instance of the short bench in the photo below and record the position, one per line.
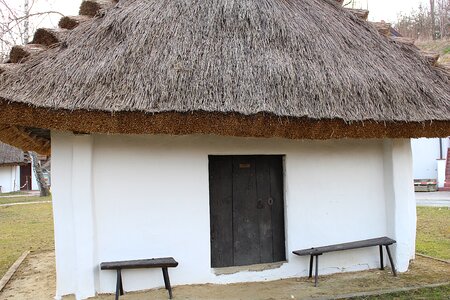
(163, 263)
(315, 252)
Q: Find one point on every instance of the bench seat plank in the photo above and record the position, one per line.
(162, 262)
(165, 262)
(316, 252)
(346, 246)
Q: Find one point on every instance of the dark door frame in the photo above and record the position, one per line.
(278, 231)
(26, 177)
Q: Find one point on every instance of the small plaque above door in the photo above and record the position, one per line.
(244, 166)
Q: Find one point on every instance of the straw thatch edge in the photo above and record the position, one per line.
(19, 137)
(12, 156)
(224, 124)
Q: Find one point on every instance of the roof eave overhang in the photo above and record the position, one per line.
(13, 164)
(17, 117)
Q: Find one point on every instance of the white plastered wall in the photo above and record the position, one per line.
(131, 197)
(34, 183)
(400, 200)
(9, 178)
(426, 155)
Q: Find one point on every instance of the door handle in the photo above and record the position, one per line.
(260, 204)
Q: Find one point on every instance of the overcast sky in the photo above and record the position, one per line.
(386, 10)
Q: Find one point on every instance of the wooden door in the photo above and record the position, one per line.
(25, 177)
(246, 210)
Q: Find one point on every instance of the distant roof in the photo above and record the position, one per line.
(394, 32)
(296, 69)
(10, 155)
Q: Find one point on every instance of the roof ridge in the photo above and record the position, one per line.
(90, 9)
(385, 28)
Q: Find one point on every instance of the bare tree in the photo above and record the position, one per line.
(26, 22)
(416, 24)
(424, 23)
(356, 4)
(433, 22)
(349, 2)
(43, 186)
(17, 21)
(443, 14)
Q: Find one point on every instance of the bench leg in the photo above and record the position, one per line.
(391, 261)
(119, 286)
(167, 281)
(316, 278)
(381, 257)
(311, 259)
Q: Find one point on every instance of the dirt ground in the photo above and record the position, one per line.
(35, 279)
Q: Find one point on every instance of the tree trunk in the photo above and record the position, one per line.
(443, 17)
(43, 187)
(26, 24)
(433, 22)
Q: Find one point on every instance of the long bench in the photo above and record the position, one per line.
(163, 263)
(315, 252)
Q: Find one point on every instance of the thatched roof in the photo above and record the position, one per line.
(309, 61)
(10, 156)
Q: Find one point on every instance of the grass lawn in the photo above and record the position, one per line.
(437, 293)
(12, 194)
(440, 46)
(24, 227)
(433, 232)
(20, 199)
(433, 239)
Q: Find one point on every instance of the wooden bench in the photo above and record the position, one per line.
(163, 263)
(315, 252)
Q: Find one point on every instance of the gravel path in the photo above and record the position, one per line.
(23, 203)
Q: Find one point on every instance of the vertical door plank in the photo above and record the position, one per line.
(243, 232)
(221, 210)
(277, 194)
(245, 216)
(264, 212)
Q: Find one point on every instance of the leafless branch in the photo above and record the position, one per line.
(348, 3)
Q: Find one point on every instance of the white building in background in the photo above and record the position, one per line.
(11, 160)
(429, 158)
(9, 178)
(16, 170)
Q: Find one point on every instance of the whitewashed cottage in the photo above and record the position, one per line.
(222, 133)
(16, 170)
